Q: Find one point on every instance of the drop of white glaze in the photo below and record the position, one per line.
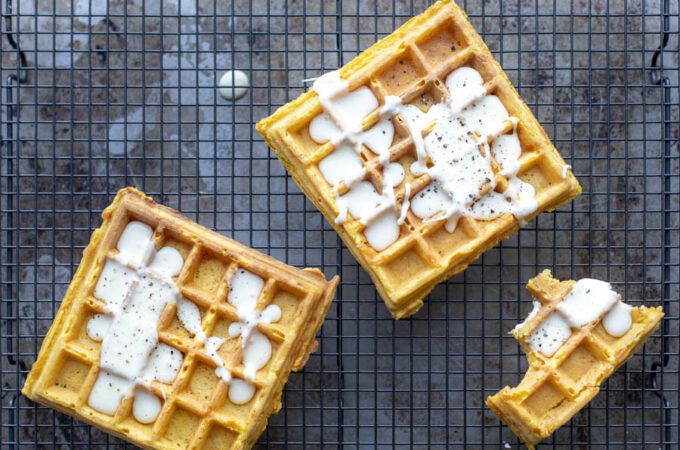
(240, 391)
(550, 335)
(212, 344)
(322, 129)
(350, 109)
(393, 174)
(618, 320)
(168, 261)
(233, 84)
(146, 406)
(256, 354)
(135, 243)
(190, 318)
(587, 301)
(429, 201)
(108, 391)
(361, 201)
(565, 168)
(531, 315)
(506, 150)
(114, 284)
(164, 364)
(378, 139)
(97, 326)
(486, 116)
(127, 346)
(271, 314)
(338, 165)
(383, 232)
(405, 203)
(244, 290)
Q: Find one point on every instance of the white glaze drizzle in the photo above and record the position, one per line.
(550, 335)
(405, 203)
(135, 284)
(618, 320)
(532, 313)
(565, 167)
(97, 326)
(240, 391)
(458, 168)
(588, 301)
(340, 123)
(244, 291)
(146, 406)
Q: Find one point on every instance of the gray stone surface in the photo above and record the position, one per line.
(129, 99)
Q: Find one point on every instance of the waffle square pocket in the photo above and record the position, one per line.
(421, 155)
(173, 336)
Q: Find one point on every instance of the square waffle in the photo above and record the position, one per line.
(148, 342)
(557, 386)
(404, 247)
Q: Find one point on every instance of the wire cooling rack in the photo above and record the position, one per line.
(97, 96)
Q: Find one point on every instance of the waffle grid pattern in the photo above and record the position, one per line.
(557, 387)
(413, 63)
(196, 412)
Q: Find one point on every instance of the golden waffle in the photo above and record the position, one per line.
(555, 388)
(412, 63)
(197, 411)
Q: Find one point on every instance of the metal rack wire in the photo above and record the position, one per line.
(96, 99)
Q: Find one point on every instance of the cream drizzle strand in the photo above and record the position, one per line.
(458, 169)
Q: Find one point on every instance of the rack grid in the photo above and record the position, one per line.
(99, 95)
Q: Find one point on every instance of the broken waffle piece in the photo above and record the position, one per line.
(173, 336)
(421, 155)
(576, 336)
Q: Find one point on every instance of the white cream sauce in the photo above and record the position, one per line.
(618, 320)
(405, 204)
(108, 391)
(589, 300)
(146, 406)
(532, 313)
(233, 84)
(459, 169)
(383, 231)
(459, 160)
(135, 284)
(550, 335)
(338, 164)
(565, 168)
(240, 391)
(190, 317)
(164, 364)
(256, 354)
(97, 326)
